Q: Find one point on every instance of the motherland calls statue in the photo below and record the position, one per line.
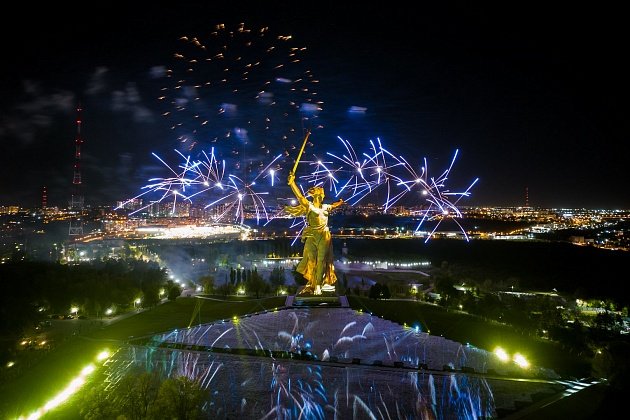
(317, 257)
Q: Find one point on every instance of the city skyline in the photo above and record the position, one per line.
(530, 98)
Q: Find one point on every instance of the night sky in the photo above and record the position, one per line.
(532, 97)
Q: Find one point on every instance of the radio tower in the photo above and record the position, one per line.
(76, 202)
(44, 199)
(526, 197)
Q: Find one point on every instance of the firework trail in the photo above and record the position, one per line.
(172, 187)
(240, 194)
(199, 180)
(440, 202)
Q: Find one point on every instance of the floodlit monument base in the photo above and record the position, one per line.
(318, 358)
(326, 298)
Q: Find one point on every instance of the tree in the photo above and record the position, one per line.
(144, 395)
(150, 287)
(385, 294)
(174, 291)
(379, 291)
(97, 405)
(276, 278)
(612, 362)
(178, 398)
(608, 321)
(375, 291)
(137, 391)
(225, 289)
(490, 306)
(444, 284)
(207, 282)
(256, 284)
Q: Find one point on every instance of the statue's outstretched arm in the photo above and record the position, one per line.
(337, 203)
(296, 190)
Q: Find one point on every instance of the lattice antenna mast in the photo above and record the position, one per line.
(526, 197)
(76, 203)
(44, 198)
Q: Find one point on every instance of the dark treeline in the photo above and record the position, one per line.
(33, 288)
(582, 271)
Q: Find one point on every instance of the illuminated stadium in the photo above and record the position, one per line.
(191, 231)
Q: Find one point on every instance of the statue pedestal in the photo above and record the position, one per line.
(326, 299)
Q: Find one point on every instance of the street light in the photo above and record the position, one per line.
(136, 302)
(520, 360)
(74, 311)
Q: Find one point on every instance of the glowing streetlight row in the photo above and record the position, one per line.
(518, 358)
(74, 385)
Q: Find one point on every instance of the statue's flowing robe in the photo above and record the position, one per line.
(316, 264)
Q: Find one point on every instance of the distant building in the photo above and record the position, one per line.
(133, 204)
(577, 239)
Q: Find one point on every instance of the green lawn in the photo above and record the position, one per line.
(182, 313)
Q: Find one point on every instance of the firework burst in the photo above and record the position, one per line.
(355, 176)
